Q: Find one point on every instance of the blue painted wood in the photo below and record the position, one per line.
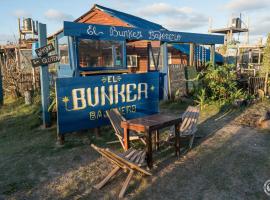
(104, 32)
(124, 53)
(44, 78)
(82, 105)
(165, 71)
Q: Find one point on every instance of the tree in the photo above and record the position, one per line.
(266, 57)
(266, 62)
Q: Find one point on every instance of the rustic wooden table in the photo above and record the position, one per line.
(148, 125)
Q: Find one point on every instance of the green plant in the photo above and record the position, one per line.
(52, 107)
(220, 84)
(266, 58)
(201, 98)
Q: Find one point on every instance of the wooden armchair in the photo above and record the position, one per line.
(188, 126)
(116, 118)
(131, 160)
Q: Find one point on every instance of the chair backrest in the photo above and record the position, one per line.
(116, 118)
(190, 119)
(127, 160)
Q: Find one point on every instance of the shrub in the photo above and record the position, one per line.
(219, 83)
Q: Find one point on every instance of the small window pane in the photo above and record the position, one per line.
(100, 53)
(63, 50)
(132, 61)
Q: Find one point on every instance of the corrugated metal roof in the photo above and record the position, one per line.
(184, 48)
(131, 19)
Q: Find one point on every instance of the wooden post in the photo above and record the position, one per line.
(44, 78)
(126, 138)
(148, 56)
(114, 57)
(97, 132)
(259, 59)
(191, 54)
(212, 54)
(124, 54)
(165, 69)
(265, 83)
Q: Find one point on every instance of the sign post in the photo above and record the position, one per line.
(44, 78)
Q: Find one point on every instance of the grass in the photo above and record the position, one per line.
(33, 166)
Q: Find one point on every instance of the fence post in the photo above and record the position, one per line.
(165, 70)
(44, 78)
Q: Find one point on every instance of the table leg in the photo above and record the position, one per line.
(126, 138)
(149, 149)
(157, 139)
(177, 140)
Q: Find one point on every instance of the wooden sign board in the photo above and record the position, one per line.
(177, 81)
(44, 50)
(45, 60)
(82, 101)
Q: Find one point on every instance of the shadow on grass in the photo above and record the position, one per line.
(229, 164)
(71, 170)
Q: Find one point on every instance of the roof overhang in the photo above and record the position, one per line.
(103, 32)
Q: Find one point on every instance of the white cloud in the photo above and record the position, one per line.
(56, 15)
(261, 26)
(247, 5)
(164, 9)
(186, 23)
(173, 17)
(21, 13)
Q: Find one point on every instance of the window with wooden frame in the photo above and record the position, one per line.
(100, 53)
(132, 61)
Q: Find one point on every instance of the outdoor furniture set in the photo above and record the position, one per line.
(183, 127)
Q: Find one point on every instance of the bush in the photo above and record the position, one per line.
(218, 83)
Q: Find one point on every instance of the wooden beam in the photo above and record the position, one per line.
(165, 69)
(212, 54)
(191, 54)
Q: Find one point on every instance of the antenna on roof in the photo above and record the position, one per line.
(210, 22)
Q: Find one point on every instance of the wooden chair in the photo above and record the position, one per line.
(188, 126)
(131, 160)
(116, 118)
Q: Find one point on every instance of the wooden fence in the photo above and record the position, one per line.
(254, 84)
(177, 81)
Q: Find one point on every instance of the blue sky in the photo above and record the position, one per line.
(184, 15)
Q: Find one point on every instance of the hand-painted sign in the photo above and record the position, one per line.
(44, 50)
(45, 60)
(82, 101)
(103, 32)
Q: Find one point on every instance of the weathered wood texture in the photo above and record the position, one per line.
(177, 81)
(116, 118)
(188, 126)
(148, 125)
(255, 84)
(131, 160)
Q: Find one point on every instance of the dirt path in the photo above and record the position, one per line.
(232, 164)
(230, 161)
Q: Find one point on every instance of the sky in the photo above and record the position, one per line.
(175, 15)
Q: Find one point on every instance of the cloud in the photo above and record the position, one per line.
(186, 24)
(21, 13)
(247, 5)
(173, 17)
(55, 15)
(261, 26)
(164, 9)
